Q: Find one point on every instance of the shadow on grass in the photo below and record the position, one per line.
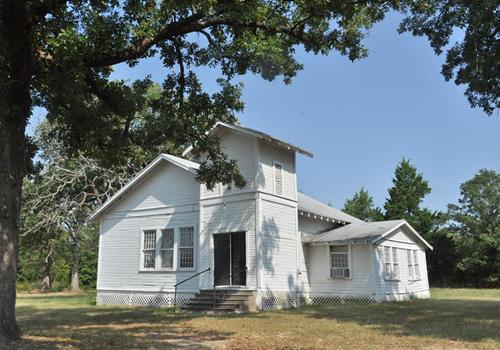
(110, 328)
(461, 320)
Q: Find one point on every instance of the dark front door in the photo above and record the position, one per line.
(230, 259)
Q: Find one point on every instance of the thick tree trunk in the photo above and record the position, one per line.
(11, 175)
(15, 108)
(75, 279)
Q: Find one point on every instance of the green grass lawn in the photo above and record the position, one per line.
(451, 319)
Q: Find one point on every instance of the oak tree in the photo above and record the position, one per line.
(59, 54)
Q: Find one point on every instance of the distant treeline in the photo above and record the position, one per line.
(59, 248)
(466, 237)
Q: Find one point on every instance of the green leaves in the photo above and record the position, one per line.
(361, 206)
(473, 60)
(408, 191)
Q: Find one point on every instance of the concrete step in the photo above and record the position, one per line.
(206, 307)
(227, 292)
(217, 302)
(227, 300)
(228, 297)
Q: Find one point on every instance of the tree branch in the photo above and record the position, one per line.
(182, 77)
(190, 24)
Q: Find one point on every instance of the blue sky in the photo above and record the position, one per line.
(360, 118)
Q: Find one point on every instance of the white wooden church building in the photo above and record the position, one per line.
(266, 238)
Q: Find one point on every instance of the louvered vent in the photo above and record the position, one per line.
(278, 179)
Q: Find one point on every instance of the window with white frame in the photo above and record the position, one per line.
(278, 178)
(387, 263)
(409, 256)
(391, 263)
(186, 248)
(149, 249)
(167, 248)
(395, 263)
(416, 266)
(339, 261)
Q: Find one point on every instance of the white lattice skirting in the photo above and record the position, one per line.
(140, 298)
(277, 299)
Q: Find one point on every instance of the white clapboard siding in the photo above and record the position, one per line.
(241, 148)
(320, 282)
(313, 226)
(234, 214)
(119, 252)
(169, 197)
(265, 176)
(167, 186)
(404, 287)
(303, 272)
(278, 244)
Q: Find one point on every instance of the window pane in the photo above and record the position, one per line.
(150, 239)
(387, 255)
(387, 270)
(167, 239)
(187, 237)
(410, 264)
(186, 257)
(394, 255)
(167, 259)
(149, 259)
(395, 263)
(416, 265)
(339, 260)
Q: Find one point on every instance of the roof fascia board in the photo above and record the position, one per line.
(412, 230)
(315, 216)
(271, 139)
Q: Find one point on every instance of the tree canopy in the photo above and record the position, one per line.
(408, 190)
(361, 206)
(475, 219)
(472, 61)
(59, 55)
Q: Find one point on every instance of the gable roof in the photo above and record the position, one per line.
(185, 164)
(259, 135)
(363, 231)
(310, 205)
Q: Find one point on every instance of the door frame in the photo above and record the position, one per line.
(244, 233)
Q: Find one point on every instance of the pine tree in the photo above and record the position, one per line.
(405, 196)
(361, 206)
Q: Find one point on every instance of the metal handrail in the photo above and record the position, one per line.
(181, 282)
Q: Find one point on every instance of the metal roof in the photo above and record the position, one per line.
(310, 205)
(362, 231)
(258, 134)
